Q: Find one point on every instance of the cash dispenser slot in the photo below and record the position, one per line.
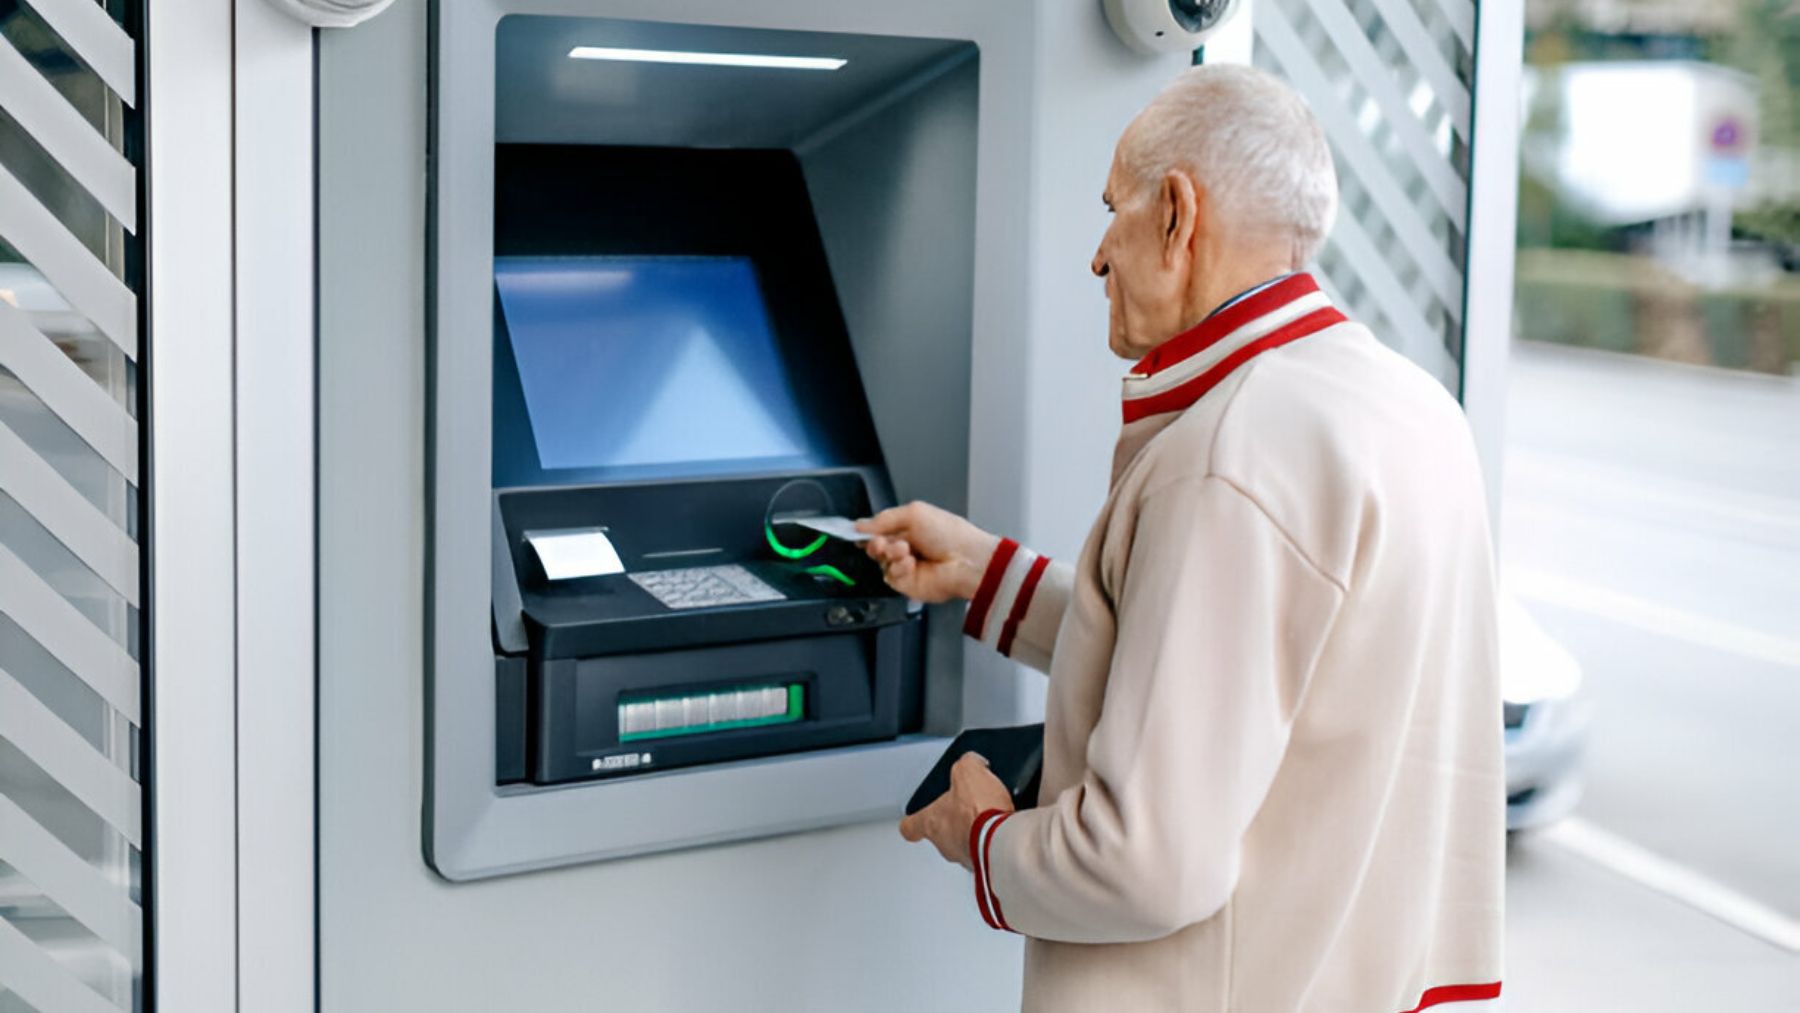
(638, 713)
(695, 712)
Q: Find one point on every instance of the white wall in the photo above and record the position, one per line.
(848, 919)
(1072, 378)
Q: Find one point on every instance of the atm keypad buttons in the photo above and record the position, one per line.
(706, 587)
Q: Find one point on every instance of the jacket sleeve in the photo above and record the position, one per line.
(1220, 623)
(1019, 607)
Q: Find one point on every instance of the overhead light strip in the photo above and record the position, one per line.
(706, 59)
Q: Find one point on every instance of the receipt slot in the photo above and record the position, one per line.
(666, 316)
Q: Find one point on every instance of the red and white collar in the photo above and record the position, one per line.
(1181, 370)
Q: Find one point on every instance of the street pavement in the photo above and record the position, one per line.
(1651, 523)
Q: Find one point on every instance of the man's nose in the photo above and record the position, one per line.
(1099, 266)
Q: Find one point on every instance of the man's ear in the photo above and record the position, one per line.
(1182, 203)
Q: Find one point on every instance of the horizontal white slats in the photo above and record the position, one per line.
(97, 39)
(69, 637)
(1460, 16)
(71, 292)
(83, 280)
(1377, 79)
(44, 984)
(71, 883)
(1423, 54)
(69, 393)
(1377, 275)
(69, 517)
(1426, 251)
(71, 760)
(69, 138)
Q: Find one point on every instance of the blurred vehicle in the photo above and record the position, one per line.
(1546, 713)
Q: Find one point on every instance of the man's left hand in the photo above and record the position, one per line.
(946, 823)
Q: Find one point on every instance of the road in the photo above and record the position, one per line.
(1651, 522)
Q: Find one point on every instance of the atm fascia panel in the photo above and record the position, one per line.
(916, 99)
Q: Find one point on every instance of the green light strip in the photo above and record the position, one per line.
(787, 553)
(827, 570)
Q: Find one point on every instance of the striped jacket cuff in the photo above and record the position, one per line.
(1004, 597)
(981, 843)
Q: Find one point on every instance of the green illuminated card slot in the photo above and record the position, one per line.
(643, 716)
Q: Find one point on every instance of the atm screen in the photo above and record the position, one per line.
(646, 363)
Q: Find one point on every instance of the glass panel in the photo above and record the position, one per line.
(72, 924)
(1651, 506)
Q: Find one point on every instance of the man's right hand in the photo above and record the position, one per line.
(928, 554)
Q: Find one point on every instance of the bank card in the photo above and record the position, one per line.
(836, 527)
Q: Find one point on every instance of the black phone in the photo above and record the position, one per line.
(1015, 755)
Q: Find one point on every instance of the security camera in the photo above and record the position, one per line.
(331, 13)
(1168, 26)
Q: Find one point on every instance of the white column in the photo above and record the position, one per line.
(273, 142)
(1493, 224)
(194, 570)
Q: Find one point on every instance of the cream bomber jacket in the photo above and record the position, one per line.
(1272, 775)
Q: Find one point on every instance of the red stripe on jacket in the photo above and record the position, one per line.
(1180, 397)
(1214, 329)
(990, 585)
(981, 844)
(1022, 604)
(1455, 993)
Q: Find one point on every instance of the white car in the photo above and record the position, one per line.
(1546, 714)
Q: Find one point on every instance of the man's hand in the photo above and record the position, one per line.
(927, 553)
(946, 823)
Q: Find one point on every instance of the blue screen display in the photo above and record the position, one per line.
(649, 363)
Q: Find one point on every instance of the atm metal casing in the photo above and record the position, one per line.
(853, 195)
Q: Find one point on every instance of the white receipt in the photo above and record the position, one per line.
(836, 527)
(575, 552)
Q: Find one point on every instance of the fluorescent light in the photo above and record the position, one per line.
(708, 59)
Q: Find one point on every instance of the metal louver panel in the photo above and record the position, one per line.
(98, 40)
(77, 887)
(40, 980)
(56, 124)
(72, 926)
(1390, 82)
(75, 522)
(72, 638)
(100, 421)
(89, 286)
(71, 761)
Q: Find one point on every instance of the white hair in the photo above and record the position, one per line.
(1251, 141)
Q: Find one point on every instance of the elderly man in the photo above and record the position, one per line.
(1272, 768)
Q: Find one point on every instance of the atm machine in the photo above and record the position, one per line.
(675, 397)
(682, 306)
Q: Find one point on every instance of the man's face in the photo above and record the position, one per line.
(1145, 270)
